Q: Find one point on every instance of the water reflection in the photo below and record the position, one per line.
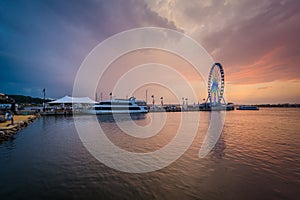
(219, 148)
(10, 143)
(213, 133)
(255, 157)
(120, 117)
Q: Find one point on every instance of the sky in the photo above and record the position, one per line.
(43, 43)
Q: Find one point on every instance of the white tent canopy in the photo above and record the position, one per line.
(73, 100)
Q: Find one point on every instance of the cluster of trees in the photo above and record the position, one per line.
(21, 99)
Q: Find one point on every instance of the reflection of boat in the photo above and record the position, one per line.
(119, 106)
(247, 108)
(121, 117)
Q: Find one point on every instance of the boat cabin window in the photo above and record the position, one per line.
(141, 103)
(116, 103)
(118, 108)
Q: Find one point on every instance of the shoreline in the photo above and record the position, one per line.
(21, 121)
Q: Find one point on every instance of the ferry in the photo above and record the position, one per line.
(247, 108)
(119, 106)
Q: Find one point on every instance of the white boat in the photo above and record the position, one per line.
(119, 106)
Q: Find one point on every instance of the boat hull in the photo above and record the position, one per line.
(247, 108)
(109, 112)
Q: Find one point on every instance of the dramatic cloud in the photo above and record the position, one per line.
(255, 41)
(42, 43)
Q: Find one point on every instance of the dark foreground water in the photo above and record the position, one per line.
(256, 157)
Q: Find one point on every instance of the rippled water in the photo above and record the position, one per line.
(256, 157)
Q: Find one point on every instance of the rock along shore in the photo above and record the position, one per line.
(21, 121)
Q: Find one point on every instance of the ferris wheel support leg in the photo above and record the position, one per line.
(224, 101)
(206, 101)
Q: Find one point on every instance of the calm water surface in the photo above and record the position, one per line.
(256, 157)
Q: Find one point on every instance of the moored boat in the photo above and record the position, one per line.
(119, 106)
(247, 108)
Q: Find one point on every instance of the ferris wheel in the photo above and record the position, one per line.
(216, 85)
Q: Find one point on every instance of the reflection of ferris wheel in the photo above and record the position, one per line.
(216, 85)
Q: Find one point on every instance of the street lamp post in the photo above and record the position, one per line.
(153, 101)
(186, 103)
(44, 103)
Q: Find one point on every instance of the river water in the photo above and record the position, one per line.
(256, 157)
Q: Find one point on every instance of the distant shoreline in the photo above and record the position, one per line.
(286, 105)
(22, 99)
